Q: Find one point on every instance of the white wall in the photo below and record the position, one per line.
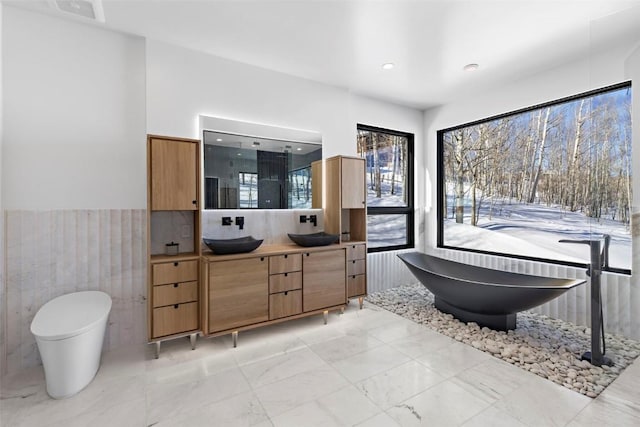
(3, 291)
(74, 115)
(183, 84)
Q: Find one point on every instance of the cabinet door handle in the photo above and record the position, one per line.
(261, 258)
(353, 262)
(307, 254)
(195, 202)
(175, 306)
(285, 257)
(175, 285)
(286, 292)
(285, 274)
(175, 264)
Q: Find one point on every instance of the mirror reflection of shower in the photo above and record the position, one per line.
(246, 172)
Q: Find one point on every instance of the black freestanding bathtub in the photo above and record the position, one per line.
(488, 297)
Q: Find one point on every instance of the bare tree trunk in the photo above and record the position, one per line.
(394, 151)
(573, 164)
(539, 156)
(376, 167)
(459, 179)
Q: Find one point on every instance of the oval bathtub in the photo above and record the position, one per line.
(488, 297)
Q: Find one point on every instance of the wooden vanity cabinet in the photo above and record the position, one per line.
(285, 285)
(356, 270)
(173, 174)
(173, 291)
(282, 282)
(345, 213)
(323, 278)
(238, 293)
(174, 297)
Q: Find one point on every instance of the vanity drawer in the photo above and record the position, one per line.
(356, 285)
(285, 282)
(174, 319)
(285, 263)
(356, 252)
(355, 267)
(175, 293)
(175, 272)
(285, 304)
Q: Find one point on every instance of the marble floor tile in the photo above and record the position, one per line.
(282, 366)
(167, 400)
(346, 346)
(453, 359)
(345, 407)
(399, 384)
(237, 411)
(130, 414)
(423, 342)
(392, 331)
(368, 363)
(492, 380)
(494, 418)
(380, 420)
(543, 403)
(604, 412)
(445, 404)
(285, 395)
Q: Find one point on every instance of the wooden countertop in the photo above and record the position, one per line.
(277, 249)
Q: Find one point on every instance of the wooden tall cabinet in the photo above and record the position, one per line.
(342, 179)
(173, 191)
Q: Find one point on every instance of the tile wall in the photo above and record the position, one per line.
(54, 252)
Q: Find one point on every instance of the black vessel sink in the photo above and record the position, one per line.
(314, 239)
(232, 246)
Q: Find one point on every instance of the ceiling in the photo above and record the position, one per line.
(345, 43)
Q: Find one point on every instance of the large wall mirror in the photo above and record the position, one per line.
(250, 166)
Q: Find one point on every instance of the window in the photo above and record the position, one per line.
(389, 169)
(516, 184)
(300, 188)
(248, 188)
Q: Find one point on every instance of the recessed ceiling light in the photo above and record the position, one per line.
(239, 154)
(299, 149)
(219, 139)
(388, 66)
(470, 67)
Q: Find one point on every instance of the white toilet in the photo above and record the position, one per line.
(69, 331)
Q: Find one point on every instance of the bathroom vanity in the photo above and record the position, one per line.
(190, 292)
(272, 284)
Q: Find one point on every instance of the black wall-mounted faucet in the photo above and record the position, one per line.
(313, 219)
(240, 222)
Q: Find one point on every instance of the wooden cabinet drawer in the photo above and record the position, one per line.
(285, 263)
(356, 285)
(175, 272)
(356, 252)
(285, 304)
(285, 282)
(174, 319)
(323, 282)
(355, 267)
(175, 293)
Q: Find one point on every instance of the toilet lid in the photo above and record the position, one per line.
(70, 315)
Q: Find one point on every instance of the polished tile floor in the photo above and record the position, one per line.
(364, 368)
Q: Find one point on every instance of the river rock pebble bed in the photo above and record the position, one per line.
(547, 347)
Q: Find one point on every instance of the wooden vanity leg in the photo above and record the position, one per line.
(361, 302)
(193, 338)
(342, 310)
(157, 349)
(234, 338)
(325, 314)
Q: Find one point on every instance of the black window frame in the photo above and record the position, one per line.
(440, 177)
(397, 210)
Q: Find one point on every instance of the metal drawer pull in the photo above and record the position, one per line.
(175, 285)
(286, 292)
(285, 274)
(175, 306)
(175, 264)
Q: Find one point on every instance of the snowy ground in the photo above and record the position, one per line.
(534, 230)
